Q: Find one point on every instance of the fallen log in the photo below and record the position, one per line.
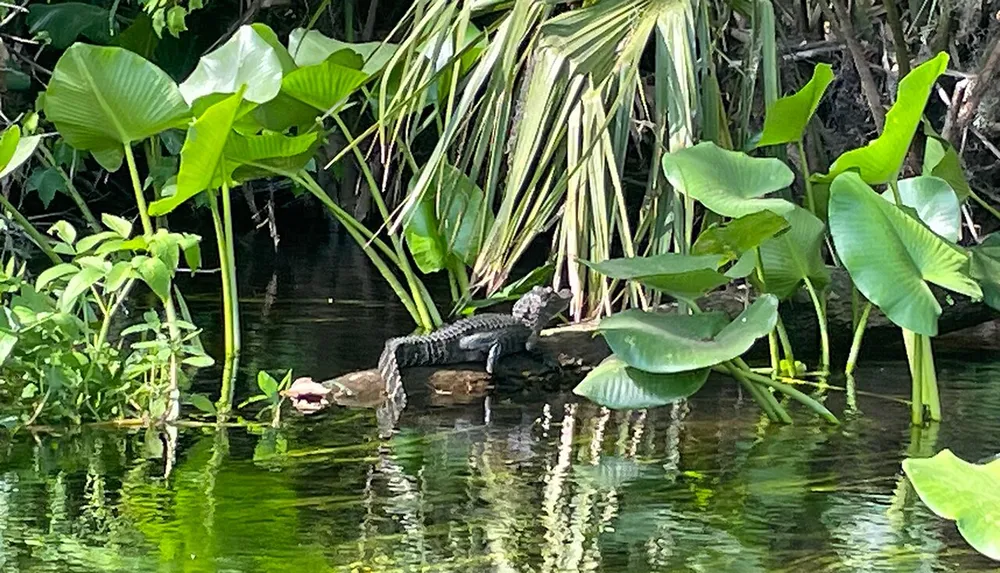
(577, 348)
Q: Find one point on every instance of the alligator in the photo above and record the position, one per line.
(484, 337)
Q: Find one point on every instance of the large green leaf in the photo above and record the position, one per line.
(966, 493)
(15, 150)
(984, 266)
(687, 276)
(891, 256)
(65, 22)
(794, 256)
(101, 98)
(246, 59)
(423, 239)
(941, 160)
(311, 47)
(665, 343)
(615, 385)
(202, 155)
(787, 118)
(267, 34)
(727, 182)
(739, 235)
(881, 159)
(934, 201)
(257, 156)
(324, 86)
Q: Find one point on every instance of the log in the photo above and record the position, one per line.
(577, 348)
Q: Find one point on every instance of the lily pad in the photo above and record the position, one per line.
(967, 493)
(665, 343)
(615, 385)
(729, 183)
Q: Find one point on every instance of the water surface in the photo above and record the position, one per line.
(517, 482)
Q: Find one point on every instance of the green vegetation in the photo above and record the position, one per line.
(627, 150)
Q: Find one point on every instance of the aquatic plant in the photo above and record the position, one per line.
(965, 493)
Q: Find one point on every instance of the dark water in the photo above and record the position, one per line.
(515, 483)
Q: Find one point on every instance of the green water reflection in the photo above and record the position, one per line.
(523, 483)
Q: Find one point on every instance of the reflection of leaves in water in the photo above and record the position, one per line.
(676, 541)
(609, 473)
(209, 523)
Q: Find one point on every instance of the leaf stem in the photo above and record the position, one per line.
(824, 337)
(804, 167)
(49, 161)
(140, 200)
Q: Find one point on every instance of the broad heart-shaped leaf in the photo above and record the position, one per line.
(984, 266)
(739, 235)
(615, 385)
(934, 201)
(311, 47)
(941, 160)
(447, 221)
(324, 86)
(202, 154)
(787, 118)
(966, 493)
(423, 239)
(67, 21)
(258, 156)
(101, 98)
(880, 160)
(891, 256)
(267, 34)
(246, 59)
(795, 255)
(729, 183)
(664, 343)
(686, 276)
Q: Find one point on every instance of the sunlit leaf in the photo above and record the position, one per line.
(246, 59)
(892, 257)
(966, 493)
(324, 86)
(786, 119)
(100, 98)
(615, 385)
(267, 384)
(24, 148)
(117, 224)
(7, 342)
(64, 230)
(311, 47)
(727, 182)
(880, 160)
(670, 342)
(202, 154)
(54, 273)
(739, 235)
(156, 275)
(202, 402)
(795, 255)
(934, 202)
(79, 284)
(941, 160)
(687, 276)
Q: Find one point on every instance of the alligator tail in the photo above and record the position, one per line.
(388, 367)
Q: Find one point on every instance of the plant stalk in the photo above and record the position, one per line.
(824, 336)
(30, 229)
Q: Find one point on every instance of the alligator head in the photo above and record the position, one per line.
(540, 305)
